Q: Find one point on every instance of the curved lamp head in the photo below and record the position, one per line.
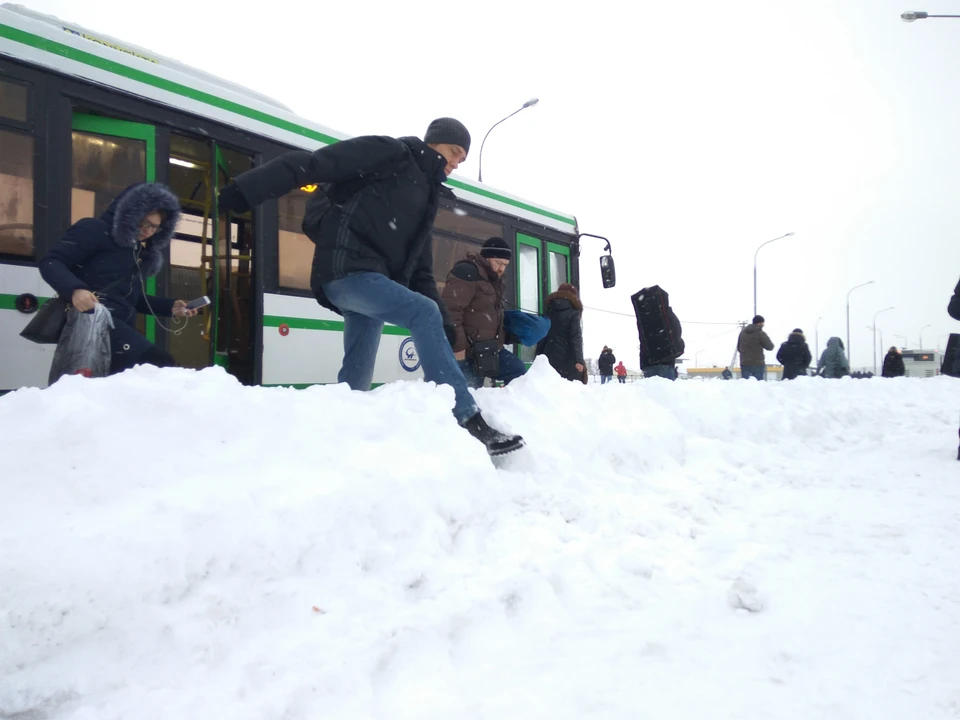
(531, 102)
(911, 16)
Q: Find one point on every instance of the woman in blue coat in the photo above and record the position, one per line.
(115, 253)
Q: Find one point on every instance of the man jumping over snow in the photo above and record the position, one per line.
(371, 223)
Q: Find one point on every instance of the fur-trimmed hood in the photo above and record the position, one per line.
(127, 211)
(568, 296)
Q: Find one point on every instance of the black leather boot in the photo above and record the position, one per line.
(495, 441)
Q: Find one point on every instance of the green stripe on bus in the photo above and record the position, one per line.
(515, 203)
(9, 302)
(81, 56)
(311, 324)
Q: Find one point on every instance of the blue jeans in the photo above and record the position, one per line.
(511, 367)
(757, 371)
(368, 300)
(669, 372)
(604, 379)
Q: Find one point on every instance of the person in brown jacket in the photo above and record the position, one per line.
(753, 341)
(474, 298)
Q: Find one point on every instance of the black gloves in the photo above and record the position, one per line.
(232, 200)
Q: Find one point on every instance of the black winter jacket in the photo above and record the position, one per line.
(385, 194)
(795, 356)
(893, 365)
(606, 361)
(563, 344)
(96, 252)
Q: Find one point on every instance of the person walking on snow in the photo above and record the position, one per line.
(833, 361)
(605, 363)
(473, 295)
(751, 344)
(371, 222)
(621, 372)
(563, 343)
(893, 364)
(795, 355)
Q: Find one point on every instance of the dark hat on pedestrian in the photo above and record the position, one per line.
(798, 331)
(758, 319)
(448, 131)
(496, 248)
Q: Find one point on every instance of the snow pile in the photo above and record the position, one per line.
(175, 545)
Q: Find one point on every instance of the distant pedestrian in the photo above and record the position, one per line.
(605, 363)
(893, 364)
(751, 344)
(726, 374)
(621, 372)
(833, 362)
(795, 355)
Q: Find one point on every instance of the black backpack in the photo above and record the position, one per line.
(660, 332)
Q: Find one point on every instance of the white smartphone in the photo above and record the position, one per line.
(198, 303)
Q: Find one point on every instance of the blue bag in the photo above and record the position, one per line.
(529, 329)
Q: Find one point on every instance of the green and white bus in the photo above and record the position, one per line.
(83, 115)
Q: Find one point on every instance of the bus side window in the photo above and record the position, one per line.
(558, 269)
(447, 252)
(16, 170)
(296, 249)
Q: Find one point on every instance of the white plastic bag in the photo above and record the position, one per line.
(84, 345)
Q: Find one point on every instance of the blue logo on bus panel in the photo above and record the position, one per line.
(409, 359)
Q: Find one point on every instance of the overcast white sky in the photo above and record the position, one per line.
(686, 133)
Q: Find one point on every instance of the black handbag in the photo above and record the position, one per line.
(46, 326)
(486, 358)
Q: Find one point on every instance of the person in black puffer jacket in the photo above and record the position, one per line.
(893, 364)
(605, 364)
(563, 344)
(125, 245)
(371, 222)
(795, 355)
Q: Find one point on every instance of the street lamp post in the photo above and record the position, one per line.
(849, 351)
(921, 336)
(875, 337)
(529, 103)
(917, 15)
(755, 269)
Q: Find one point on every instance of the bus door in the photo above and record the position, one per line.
(213, 257)
(529, 283)
(107, 156)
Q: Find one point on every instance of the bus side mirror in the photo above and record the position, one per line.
(608, 271)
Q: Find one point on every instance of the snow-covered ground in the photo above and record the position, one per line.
(174, 545)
